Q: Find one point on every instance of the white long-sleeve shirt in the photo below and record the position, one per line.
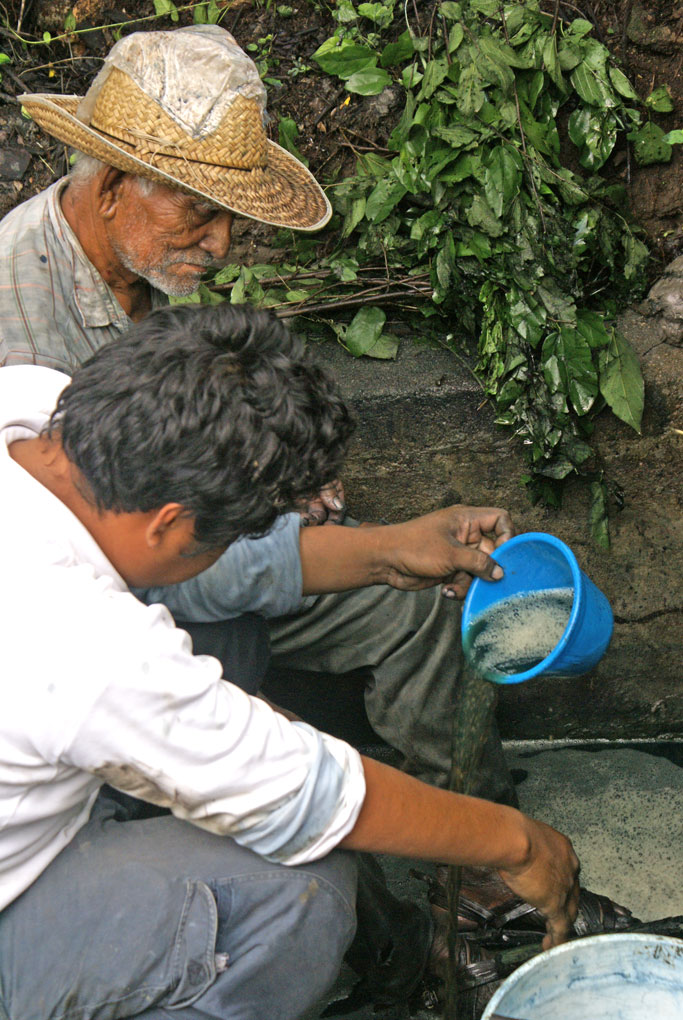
(97, 687)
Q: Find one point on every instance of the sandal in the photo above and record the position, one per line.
(478, 976)
(597, 913)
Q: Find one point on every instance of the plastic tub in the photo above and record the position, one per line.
(603, 977)
(538, 562)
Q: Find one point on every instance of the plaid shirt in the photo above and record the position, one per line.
(55, 308)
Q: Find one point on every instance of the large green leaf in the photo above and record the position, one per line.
(593, 84)
(621, 381)
(344, 59)
(385, 347)
(386, 194)
(595, 134)
(592, 328)
(396, 53)
(368, 83)
(503, 177)
(623, 85)
(560, 306)
(568, 367)
(353, 216)
(552, 63)
(471, 95)
(380, 13)
(364, 330)
(165, 7)
(435, 72)
(445, 262)
(458, 136)
(288, 133)
(491, 61)
(480, 214)
(650, 145)
(659, 101)
(455, 37)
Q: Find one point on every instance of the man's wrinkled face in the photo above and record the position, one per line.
(167, 237)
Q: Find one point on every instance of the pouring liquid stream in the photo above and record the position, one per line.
(510, 637)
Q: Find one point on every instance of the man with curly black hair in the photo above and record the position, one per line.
(211, 884)
(133, 223)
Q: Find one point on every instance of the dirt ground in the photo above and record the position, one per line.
(645, 36)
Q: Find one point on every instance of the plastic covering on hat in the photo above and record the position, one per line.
(194, 74)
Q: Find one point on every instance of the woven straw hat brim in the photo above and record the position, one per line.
(283, 193)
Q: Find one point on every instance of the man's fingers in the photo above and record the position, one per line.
(478, 563)
(315, 513)
(557, 931)
(560, 927)
(332, 497)
(458, 585)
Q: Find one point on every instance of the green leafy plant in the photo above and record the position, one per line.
(210, 13)
(489, 211)
(163, 8)
(261, 53)
(486, 209)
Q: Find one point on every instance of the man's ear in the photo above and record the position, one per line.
(169, 521)
(111, 183)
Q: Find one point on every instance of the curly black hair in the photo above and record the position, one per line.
(217, 408)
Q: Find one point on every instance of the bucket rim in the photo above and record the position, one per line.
(578, 945)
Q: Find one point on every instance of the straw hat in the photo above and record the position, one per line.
(187, 108)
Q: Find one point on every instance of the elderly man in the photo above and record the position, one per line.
(172, 142)
(227, 897)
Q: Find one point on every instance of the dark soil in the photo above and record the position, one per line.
(645, 37)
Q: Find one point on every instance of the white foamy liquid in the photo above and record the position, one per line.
(516, 634)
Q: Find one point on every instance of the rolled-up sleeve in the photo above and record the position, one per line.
(166, 728)
(254, 575)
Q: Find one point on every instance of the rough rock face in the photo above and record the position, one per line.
(665, 303)
(644, 30)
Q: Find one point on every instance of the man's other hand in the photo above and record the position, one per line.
(449, 546)
(329, 507)
(549, 879)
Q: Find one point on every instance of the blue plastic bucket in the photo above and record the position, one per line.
(604, 977)
(537, 562)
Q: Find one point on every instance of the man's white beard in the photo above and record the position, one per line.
(160, 279)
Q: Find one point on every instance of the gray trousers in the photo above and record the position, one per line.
(151, 917)
(410, 643)
(145, 915)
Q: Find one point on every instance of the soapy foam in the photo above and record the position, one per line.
(514, 635)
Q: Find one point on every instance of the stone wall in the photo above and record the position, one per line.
(426, 438)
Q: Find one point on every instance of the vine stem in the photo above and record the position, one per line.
(289, 312)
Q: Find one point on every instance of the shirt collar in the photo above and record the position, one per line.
(42, 529)
(94, 298)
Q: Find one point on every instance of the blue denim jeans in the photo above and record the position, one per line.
(145, 915)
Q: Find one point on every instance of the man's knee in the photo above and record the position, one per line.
(284, 933)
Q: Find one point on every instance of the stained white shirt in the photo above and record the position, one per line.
(97, 687)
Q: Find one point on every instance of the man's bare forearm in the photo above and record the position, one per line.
(341, 559)
(447, 544)
(404, 816)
